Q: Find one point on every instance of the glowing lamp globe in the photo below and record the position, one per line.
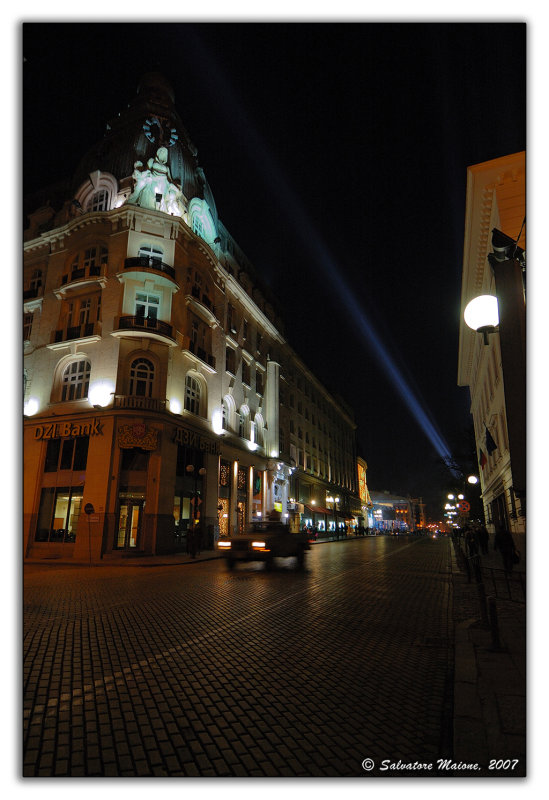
(472, 479)
(175, 405)
(100, 393)
(481, 315)
(31, 407)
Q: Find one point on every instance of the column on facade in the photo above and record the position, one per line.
(272, 410)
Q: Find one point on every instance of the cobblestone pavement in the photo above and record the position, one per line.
(192, 670)
(490, 672)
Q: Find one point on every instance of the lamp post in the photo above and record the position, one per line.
(456, 507)
(194, 532)
(507, 262)
(332, 502)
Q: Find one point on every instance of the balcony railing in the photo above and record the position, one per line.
(82, 272)
(146, 324)
(202, 354)
(75, 332)
(145, 403)
(145, 262)
(201, 297)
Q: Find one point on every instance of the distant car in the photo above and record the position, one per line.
(265, 541)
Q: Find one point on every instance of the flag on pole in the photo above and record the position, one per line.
(490, 444)
(482, 460)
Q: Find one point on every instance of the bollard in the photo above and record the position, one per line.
(475, 561)
(482, 603)
(494, 627)
(467, 568)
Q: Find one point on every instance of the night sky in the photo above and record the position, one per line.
(337, 155)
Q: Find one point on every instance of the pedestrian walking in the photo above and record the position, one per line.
(471, 541)
(503, 541)
(483, 538)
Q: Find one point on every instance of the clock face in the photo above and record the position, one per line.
(157, 130)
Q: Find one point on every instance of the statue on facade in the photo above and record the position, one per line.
(154, 187)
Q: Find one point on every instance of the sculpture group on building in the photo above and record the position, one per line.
(154, 187)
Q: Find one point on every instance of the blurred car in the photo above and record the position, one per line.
(265, 541)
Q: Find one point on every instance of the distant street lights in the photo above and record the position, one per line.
(456, 507)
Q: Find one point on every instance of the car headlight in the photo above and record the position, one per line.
(258, 545)
(224, 545)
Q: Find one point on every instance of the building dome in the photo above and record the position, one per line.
(155, 87)
(149, 122)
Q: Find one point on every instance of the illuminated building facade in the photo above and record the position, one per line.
(392, 513)
(495, 200)
(159, 387)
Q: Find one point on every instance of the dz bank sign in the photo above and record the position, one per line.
(62, 430)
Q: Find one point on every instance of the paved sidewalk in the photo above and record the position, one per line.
(490, 669)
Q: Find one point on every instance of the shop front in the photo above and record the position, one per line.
(57, 465)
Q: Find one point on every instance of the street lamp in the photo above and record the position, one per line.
(508, 264)
(481, 315)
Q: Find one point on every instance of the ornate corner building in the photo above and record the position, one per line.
(159, 387)
(496, 198)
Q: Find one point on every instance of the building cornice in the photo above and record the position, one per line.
(484, 183)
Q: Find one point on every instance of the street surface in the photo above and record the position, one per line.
(193, 670)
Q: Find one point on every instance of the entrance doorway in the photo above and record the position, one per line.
(130, 519)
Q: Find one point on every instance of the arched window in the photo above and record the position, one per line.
(243, 422)
(259, 437)
(76, 380)
(198, 226)
(141, 377)
(192, 395)
(201, 220)
(99, 201)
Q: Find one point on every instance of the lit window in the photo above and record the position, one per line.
(99, 201)
(259, 431)
(150, 251)
(59, 513)
(192, 395)
(141, 377)
(76, 379)
(146, 305)
(225, 416)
